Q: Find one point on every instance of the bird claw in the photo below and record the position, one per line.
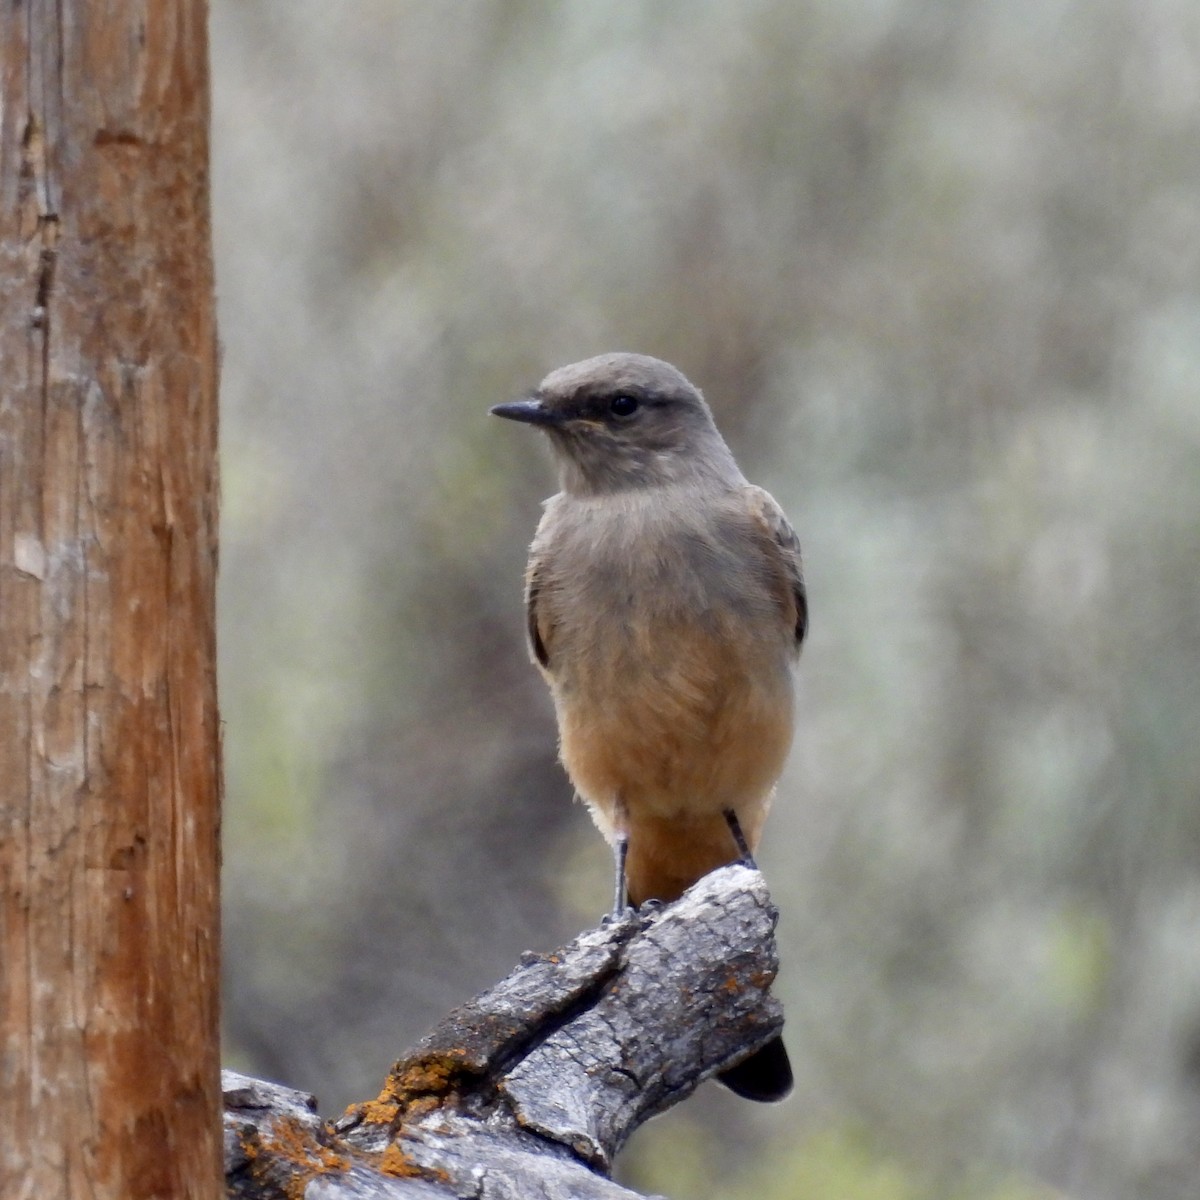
(618, 917)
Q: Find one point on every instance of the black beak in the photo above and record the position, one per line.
(530, 410)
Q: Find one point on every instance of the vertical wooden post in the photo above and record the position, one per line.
(109, 752)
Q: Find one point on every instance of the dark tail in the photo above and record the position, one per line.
(766, 1075)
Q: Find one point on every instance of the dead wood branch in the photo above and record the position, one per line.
(530, 1090)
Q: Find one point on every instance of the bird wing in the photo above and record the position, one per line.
(783, 538)
(533, 628)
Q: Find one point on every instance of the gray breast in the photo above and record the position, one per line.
(677, 561)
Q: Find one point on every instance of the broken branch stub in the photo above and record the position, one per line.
(543, 1078)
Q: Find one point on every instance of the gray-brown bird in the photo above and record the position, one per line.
(666, 609)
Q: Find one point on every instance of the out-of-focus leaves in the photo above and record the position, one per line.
(935, 266)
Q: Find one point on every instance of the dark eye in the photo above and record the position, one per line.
(624, 405)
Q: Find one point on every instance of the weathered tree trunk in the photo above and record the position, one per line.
(529, 1091)
(109, 772)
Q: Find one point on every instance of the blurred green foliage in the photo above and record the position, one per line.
(937, 268)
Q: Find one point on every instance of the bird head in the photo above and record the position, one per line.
(621, 421)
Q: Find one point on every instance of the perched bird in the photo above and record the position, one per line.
(666, 608)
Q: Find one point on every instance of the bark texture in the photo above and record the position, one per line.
(108, 506)
(529, 1091)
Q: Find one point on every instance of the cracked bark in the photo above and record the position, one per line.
(108, 719)
(529, 1091)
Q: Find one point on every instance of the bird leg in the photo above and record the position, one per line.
(739, 837)
(620, 853)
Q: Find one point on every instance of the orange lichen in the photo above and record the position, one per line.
(424, 1076)
(399, 1165)
(385, 1110)
(395, 1162)
(291, 1140)
(248, 1140)
(293, 1148)
(289, 1153)
(411, 1090)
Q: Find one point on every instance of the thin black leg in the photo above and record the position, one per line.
(740, 838)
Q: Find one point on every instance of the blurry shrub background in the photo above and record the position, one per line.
(937, 267)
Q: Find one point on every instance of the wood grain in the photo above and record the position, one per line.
(109, 742)
(532, 1088)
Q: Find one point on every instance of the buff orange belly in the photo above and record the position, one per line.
(673, 752)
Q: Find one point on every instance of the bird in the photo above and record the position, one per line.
(665, 608)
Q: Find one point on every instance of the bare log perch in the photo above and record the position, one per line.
(529, 1091)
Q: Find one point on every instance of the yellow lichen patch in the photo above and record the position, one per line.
(412, 1089)
(426, 1075)
(291, 1140)
(395, 1162)
(384, 1110)
(248, 1140)
(399, 1165)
